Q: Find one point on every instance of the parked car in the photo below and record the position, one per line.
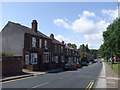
(78, 65)
(95, 61)
(84, 64)
(69, 66)
(73, 66)
(91, 62)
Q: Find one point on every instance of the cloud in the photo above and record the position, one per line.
(82, 25)
(89, 25)
(62, 38)
(113, 14)
(61, 22)
(87, 13)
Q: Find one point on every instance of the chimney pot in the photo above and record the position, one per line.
(52, 36)
(69, 44)
(62, 42)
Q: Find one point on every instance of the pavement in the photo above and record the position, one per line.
(108, 79)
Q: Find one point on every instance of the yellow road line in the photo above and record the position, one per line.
(15, 80)
(90, 85)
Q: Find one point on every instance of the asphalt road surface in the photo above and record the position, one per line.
(80, 78)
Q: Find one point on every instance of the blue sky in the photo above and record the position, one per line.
(78, 22)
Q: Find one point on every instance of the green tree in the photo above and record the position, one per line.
(111, 40)
(73, 45)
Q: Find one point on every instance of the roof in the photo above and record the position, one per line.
(68, 47)
(56, 42)
(28, 30)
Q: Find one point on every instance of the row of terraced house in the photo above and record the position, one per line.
(38, 51)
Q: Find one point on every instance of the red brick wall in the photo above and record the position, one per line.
(11, 65)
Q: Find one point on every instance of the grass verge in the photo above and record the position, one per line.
(115, 67)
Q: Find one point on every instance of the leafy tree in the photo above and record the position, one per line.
(73, 45)
(111, 40)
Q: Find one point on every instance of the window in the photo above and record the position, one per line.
(27, 58)
(62, 58)
(46, 44)
(74, 59)
(33, 42)
(61, 48)
(33, 58)
(67, 51)
(52, 59)
(40, 43)
(56, 59)
(73, 51)
(55, 48)
(46, 57)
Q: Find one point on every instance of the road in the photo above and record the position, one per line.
(80, 78)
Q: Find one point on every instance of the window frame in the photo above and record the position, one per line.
(34, 58)
(45, 44)
(34, 41)
(40, 43)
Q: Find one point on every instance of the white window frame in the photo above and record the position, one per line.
(67, 51)
(62, 58)
(45, 43)
(27, 61)
(56, 59)
(40, 43)
(61, 48)
(33, 42)
(34, 58)
(46, 57)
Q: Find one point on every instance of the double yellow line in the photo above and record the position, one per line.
(90, 85)
(15, 79)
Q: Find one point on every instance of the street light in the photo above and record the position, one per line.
(111, 57)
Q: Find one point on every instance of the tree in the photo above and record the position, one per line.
(111, 40)
(73, 45)
(84, 47)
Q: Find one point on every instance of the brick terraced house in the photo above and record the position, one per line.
(71, 55)
(57, 52)
(38, 51)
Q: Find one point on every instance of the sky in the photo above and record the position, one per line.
(72, 22)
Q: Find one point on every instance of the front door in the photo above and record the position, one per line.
(27, 58)
(40, 62)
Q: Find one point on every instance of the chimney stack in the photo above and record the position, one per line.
(62, 42)
(52, 36)
(34, 25)
(69, 44)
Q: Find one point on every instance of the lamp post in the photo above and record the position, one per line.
(111, 57)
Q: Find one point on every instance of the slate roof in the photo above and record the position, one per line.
(67, 47)
(57, 42)
(28, 30)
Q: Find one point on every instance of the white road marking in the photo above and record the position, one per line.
(112, 82)
(113, 78)
(40, 85)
